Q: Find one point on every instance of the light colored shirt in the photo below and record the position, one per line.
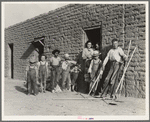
(87, 53)
(114, 55)
(55, 61)
(66, 63)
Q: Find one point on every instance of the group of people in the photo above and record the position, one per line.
(38, 72)
(68, 70)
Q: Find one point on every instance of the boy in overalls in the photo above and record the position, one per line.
(43, 70)
(94, 69)
(32, 77)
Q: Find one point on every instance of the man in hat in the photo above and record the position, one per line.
(66, 72)
(94, 69)
(55, 63)
(32, 76)
(115, 56)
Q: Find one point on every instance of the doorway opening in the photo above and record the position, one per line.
(11, 60)
(94, 34)
(39, 44)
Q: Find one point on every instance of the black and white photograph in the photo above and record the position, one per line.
(75, 60)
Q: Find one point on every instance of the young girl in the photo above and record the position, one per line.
(55, 63)
(43, 72)
(32, 77)
(66, 81)
(94, 69)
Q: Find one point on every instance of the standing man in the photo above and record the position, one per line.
(115, 56)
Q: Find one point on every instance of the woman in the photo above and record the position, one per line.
(87, 57)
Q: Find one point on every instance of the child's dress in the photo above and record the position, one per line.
(31, 80)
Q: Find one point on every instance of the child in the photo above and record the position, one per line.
(55, 62)
(32, 77)
(74, 75)
(43, 72)
(66, 72)
(95, 67)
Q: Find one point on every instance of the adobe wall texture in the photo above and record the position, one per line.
(63, 30)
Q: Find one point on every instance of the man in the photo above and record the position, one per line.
(115, 56)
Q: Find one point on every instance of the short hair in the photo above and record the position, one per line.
(115, 40)
(87, 43)
(44, 55)
(54, 51)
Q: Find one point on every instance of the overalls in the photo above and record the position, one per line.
(42, 76)
(66, 80)
(95, 70)
(31, 79)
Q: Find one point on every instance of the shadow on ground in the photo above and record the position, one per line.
(20, 89)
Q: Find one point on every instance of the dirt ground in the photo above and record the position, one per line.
(16, 102)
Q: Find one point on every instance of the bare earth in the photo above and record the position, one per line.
(16, 102)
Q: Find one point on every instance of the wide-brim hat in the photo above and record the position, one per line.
(96, 53)
(32, 60)
(54, 51)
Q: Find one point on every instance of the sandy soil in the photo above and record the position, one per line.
(16, 102)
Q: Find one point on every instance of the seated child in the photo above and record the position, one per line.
(94, 69)
(32, 77)
(74, 75)
(66, 81)
(43, 72)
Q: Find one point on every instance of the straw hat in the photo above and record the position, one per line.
(96, 53)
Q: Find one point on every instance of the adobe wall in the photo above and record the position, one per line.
(63, 30)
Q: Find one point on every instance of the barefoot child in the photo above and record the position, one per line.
(32, 77)
(43, 70)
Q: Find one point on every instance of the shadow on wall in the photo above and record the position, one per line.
(28, 52)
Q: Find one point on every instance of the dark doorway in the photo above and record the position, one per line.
(94, 34)
(11, 61)
(39, 44)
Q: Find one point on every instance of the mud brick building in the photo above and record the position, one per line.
(66, 29)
